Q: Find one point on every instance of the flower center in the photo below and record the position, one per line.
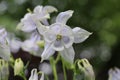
(59, 37)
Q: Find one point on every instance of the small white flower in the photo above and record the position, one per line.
(114, 74)
(60, 37)
(34, 75)
(27, 23)
(40, 14)
(4, 45)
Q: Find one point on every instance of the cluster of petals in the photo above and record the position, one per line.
(57, 36)
(60, 37)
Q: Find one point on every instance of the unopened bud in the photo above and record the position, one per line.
(18, 67)
(86, 68)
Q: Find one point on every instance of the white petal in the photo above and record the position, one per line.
(58, 45)
(68, 54)
(38, 9)
(30, 46)
(80, 35)
(50, 9)
(48, 51)
(64, 16)
(27, 24)
(66, 31)
(15, 45)
(45, 22)
(49, 36)
(42, 28)
(34, 75)
(58, 28)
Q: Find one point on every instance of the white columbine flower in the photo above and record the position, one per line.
(4, 45)
(114, 74)
(34, 75)
(60, 37)
(40, 13)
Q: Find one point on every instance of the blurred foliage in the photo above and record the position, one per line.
(102, 17)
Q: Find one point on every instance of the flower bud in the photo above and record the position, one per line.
(4, 70)
(86, 68)
(18, 67)
(34, 75)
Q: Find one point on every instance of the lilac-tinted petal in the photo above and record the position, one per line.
(80, 35)
(58, 45)
(49, 9)
(30, 46)
(64, 16)
(49, 36)
(68, 41)
(56, 28)
(27, 24)
(15, 45)
(48, 51)
(114, 74)
(66, 31)
(68, 54)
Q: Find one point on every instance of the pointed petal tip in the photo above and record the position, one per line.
(70, 12)
(41, 60)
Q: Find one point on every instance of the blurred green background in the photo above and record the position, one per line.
(102, 17)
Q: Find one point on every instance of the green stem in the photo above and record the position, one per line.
(54, 68)
(64, 71)
(58, 58)
(23, 76)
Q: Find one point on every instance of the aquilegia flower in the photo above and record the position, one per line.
(34, 75)
(40, 13)
(114, 74)
(4, 45)
(60, 37)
